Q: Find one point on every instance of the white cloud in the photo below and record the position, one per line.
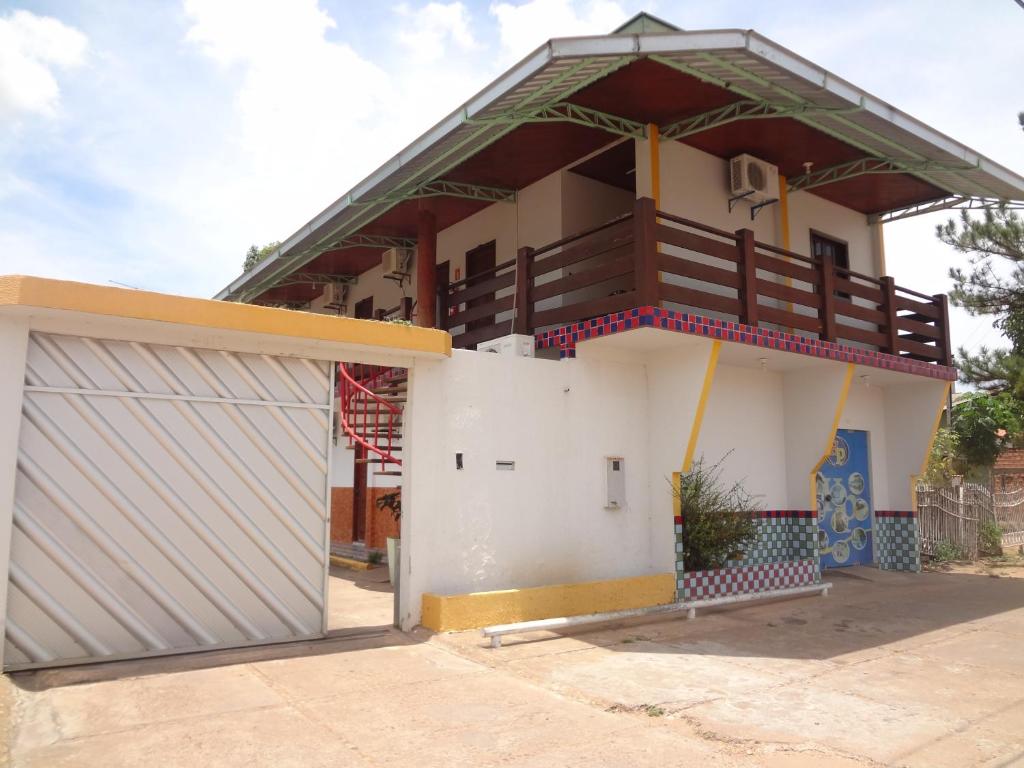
(525, 26)
(428, 30)
(31, 48)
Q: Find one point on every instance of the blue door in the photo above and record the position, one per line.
(843, 491)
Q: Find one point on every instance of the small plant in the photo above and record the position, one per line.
(948, 552)
(718, 523)
(653, 710)
(990, 538)
(374, 557)
(391, 502)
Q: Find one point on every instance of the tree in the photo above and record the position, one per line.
(944, 458)
(992, 285)
(984, 424)
(255, 255)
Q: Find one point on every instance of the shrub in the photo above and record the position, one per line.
(990, 538)
(948, 552)
(718, 525)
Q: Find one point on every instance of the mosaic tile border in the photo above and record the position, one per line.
(895, 513)
(775, 513)
(784, 536)
(766, 577)
(899, 543)
(565, 339)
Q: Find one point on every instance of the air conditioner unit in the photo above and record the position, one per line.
(752, 179)
(395, 262)
(516, 344)
(335, 295)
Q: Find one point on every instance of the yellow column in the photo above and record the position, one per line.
(931, 443)
(698, 416)
(844, 393)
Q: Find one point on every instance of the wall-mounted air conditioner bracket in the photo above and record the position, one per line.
(754, 209)
(734, 200)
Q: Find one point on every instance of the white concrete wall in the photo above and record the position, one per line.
(675, 378)
(907, 408)
(810, 398)
(865, 410)
(744, 428)
(13, 348)
(587, 203)
(695, 185)
(545, 522)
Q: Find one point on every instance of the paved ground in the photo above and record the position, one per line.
(891, 669)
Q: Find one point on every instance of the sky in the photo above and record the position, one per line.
(150, 143)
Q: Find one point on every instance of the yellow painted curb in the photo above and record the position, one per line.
(447, 613)
(345, 562)
(19, 291)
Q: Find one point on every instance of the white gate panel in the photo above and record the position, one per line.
(167, 499)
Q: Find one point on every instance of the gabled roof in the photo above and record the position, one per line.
(723, 91)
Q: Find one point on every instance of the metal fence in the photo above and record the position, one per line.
(951, 515)
(1008, 512)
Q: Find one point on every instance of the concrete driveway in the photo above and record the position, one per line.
(891, 669)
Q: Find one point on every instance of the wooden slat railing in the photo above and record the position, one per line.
(650, 257)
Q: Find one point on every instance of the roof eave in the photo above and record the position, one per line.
(630, 45)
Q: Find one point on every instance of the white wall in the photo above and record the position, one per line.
(865, 410)
(587, 203)
(744, 428)
(810, 398)
(908, 407)
(675, 377)
(543, 523)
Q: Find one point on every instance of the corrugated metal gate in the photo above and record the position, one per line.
(167, 499)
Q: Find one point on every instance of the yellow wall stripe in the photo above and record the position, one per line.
(931, 443)
(844, 394)
(698, 417)
(451, 613)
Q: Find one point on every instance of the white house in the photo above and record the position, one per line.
(644, 249)
(674, 240)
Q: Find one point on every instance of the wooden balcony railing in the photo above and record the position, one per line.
(652, 258)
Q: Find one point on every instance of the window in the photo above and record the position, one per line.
(824, 247)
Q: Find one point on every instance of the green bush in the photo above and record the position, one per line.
(990, 538)
(718, 525)
(947, 552)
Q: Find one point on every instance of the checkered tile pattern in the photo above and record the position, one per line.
(780, 539)
(703, 585)
(898, 542)
(783, 537)
(565, 339)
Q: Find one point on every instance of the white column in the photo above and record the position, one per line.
(13, 351)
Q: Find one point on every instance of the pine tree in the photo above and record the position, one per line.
(993, 286)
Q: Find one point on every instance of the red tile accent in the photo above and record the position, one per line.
(565, 339)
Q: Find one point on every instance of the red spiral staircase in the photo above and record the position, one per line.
(370, 413)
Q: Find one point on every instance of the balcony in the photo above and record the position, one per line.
(652, 258)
